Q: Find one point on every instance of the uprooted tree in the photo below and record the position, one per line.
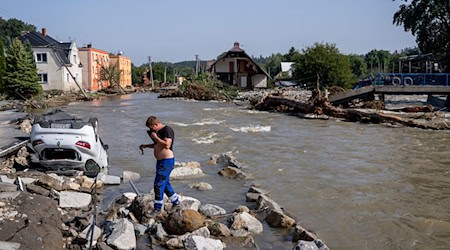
(111, 74)
(318, 105)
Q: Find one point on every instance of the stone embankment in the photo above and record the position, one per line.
(49, 211)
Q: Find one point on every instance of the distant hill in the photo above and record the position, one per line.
(188, 64)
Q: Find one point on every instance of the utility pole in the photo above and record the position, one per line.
(174, 76)
(197, 65)
(165, 73)
(151, 71)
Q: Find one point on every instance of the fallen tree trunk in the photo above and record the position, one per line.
(320, 106)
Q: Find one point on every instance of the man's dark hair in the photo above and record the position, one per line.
(152, 120)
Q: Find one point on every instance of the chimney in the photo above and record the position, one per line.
(44, 32)
(89, 45)
(236, 45)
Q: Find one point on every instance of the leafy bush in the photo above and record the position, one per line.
(204, 88)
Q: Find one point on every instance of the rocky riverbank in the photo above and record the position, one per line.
(60, 210)
(50, 211)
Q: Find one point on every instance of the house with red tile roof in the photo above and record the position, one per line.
(236, 67)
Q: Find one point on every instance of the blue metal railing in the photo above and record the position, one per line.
(407, 79)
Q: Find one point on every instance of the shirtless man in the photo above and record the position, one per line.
(163, 137)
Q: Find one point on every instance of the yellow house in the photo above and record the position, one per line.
(124, 64)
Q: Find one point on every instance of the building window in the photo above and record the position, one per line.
(75, 59)
(41, 57)
(44, 78)
(67, 75)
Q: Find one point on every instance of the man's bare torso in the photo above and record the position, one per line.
(161, 152)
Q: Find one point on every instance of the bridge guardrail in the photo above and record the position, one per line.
(408, 79)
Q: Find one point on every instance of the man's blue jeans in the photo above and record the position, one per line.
(162, 185)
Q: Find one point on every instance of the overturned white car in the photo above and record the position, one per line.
(63, 142)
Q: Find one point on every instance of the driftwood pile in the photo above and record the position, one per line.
(420, 117)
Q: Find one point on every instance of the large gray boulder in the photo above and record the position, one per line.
(86, 234)
(7, 245)
(227, 159)
(210, 210)
(177, 242)
(301, 233)
(70, 199)
(130, 176)
(141, 206)
(109, 179)
(190, 203)
(7, 187)
(218, 229)
(310, 245)
(243, 224)
(194, 242)
(122, 235)
(233, 173)
(274, 215)
(186, 173)
(201, 186)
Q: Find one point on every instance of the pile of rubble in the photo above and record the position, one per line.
(257, 96)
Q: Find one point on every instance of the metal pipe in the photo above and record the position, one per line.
(134, 188)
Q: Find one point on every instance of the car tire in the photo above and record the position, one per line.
(91, 168)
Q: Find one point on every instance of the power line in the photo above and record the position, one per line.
(6, 13)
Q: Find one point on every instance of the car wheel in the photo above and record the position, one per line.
(92, 168)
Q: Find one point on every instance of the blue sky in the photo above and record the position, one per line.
(177, 30)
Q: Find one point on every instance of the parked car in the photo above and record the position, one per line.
(63, 142)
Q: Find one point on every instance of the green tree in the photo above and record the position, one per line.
(137, 74)
(429, 22)
(359, 66)
(13, 28)
(291, 55)
(273, 64)
(378, 60)
(158, 72)
(2, 66)
(21, 78)
(325, 61)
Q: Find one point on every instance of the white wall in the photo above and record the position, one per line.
(85, 60)
(51, 68)
(56, 72)
(259, 81)
(223, 65)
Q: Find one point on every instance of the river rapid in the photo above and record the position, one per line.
(357, 186)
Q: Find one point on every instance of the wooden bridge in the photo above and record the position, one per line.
(370, 91)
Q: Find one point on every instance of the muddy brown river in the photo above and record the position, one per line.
(357, 186)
